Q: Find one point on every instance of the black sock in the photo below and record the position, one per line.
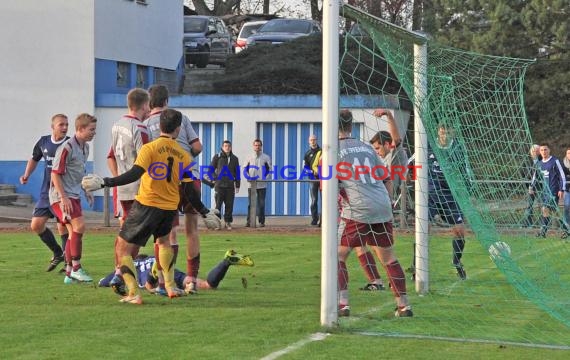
(458, 246)
(218, 273)
(64, 238)
(545, 223)
(48, 239)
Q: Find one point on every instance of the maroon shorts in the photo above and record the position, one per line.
(184, 205)
(354, 234)
(75, 211)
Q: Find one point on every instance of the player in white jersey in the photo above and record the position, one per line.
(188, 139)
(68, 169)
(129, 134)
(366, 216)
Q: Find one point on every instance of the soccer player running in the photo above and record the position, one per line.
(161, 166)
(68, 168)
(555, 184)
(440, 198)
(365, 222)
(189, 141)
(45, 148)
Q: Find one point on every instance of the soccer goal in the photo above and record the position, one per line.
(517, 286)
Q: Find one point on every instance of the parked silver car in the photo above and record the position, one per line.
(206, 40)
(278, 31)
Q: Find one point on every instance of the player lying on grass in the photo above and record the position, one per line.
(148, 274)
(156, 203)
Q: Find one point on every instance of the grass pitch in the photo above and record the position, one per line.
(274, 317)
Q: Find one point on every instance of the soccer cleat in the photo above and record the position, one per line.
(229, 226)
(461, 272)
(564, 234)
(118, 285)
(81, 275)
(132, 299)
(372, 287)
(405, 311)
(191, 288)
(261, 225)
(54, 262)
(68, 280)
(237, 259)
(541, 234)
(343, 310)
(175, 292)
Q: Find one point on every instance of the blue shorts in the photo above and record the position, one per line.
(43, 212)
(444, 205)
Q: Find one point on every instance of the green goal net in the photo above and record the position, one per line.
(517, 288)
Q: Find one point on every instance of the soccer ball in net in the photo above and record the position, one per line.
(499, 250)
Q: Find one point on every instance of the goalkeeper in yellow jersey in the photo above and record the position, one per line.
(161, 165)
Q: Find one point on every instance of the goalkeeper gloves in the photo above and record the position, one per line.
(211, 219)
(92, 182)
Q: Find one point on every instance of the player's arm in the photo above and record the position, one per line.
(130, 176)
(562, 179)
(193, 196)
(30, 167)
(37, 155)
(112, 162)
(392, 127)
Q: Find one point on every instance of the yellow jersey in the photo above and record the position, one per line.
(163, 160)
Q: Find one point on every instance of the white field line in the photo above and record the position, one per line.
(295, 346)
(321, 336)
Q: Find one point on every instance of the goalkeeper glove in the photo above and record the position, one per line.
(211, 219)
(92, 182)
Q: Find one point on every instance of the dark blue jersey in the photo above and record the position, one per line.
(552, 174)
(45, 148)
(454, 156)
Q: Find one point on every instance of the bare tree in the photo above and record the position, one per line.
(221, 7)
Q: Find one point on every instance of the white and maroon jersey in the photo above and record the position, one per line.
(364, 197)
(129, 134)
(187, 134)
(186, 137)
(69, 162)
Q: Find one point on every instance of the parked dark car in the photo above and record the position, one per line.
(278, 31)
(206, 40)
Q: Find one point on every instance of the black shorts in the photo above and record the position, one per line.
(144, 221)
(444, 205)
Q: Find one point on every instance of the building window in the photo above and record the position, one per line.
(123, 74)
(142, 76)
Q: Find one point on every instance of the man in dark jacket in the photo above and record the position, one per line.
(226, 181)
(312, 157)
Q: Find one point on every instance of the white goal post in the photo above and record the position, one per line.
(330, 105)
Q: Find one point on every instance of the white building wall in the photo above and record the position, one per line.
(132, 32)
(47, 67)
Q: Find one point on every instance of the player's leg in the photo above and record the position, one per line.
(192, 252)
(381, 239)
(368, 264)
(63, 233)
(349, 239)
(38, 225)
(452, 215)
(566, 222)
(550, 203)
(76, 249)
